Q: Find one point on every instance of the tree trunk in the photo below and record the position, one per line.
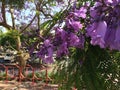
(21, 56)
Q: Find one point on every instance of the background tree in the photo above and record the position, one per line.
(26, 15)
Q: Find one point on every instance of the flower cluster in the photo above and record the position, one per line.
(64, 38)
(103, 28)
(104, 25)
(46, 52)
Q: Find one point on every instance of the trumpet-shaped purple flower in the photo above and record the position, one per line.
(117, 38)
(97, 33)
(94, 13)
(61, 33)
(46, 52)
(74, 40)
(48, 58)
(81, 12)
(90, 29)
(62, 49)
(47, 43)
(75, 25)
(108, 1)
(104, 28)
(110, 37)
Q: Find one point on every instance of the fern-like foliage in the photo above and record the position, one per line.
(91, 69)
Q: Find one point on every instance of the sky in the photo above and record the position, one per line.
(28, 13)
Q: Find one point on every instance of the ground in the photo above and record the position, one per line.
(13, 85)
(27, 85)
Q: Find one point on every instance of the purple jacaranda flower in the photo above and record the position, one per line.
(73, 40)
(50, 51)
(117, 38)
(46, 52)
(75, 25)
(61, 33)
(57, 41)
(115, 2)
(102, 34)
(87, 4)
(98, 41)
(96, 12)
(47, 43)
(81, 12)
(60, 36)
(97, 4)
(93, 12)
(97, 33)
(116, 11)
(110, 37)
(108, 1)
(90, 29)
(27, 5)
(74, 5)
(76, 41)
(42, 52)
(48, 59)
(81, 41)
(62, 50)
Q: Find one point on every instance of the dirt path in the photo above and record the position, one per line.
(13, 85)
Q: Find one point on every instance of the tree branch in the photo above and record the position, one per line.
(28, 24)
(5, 25)
(47, 15)
(3, 11)
(12, 17)
(38, 14)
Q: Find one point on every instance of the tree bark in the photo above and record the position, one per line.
(21, 56)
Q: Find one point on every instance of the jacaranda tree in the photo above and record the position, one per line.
(82, 37)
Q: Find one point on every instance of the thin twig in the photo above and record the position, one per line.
(46, 14)
(28, 24)
(38, 14)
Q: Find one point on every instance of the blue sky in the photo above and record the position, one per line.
(30, 12)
